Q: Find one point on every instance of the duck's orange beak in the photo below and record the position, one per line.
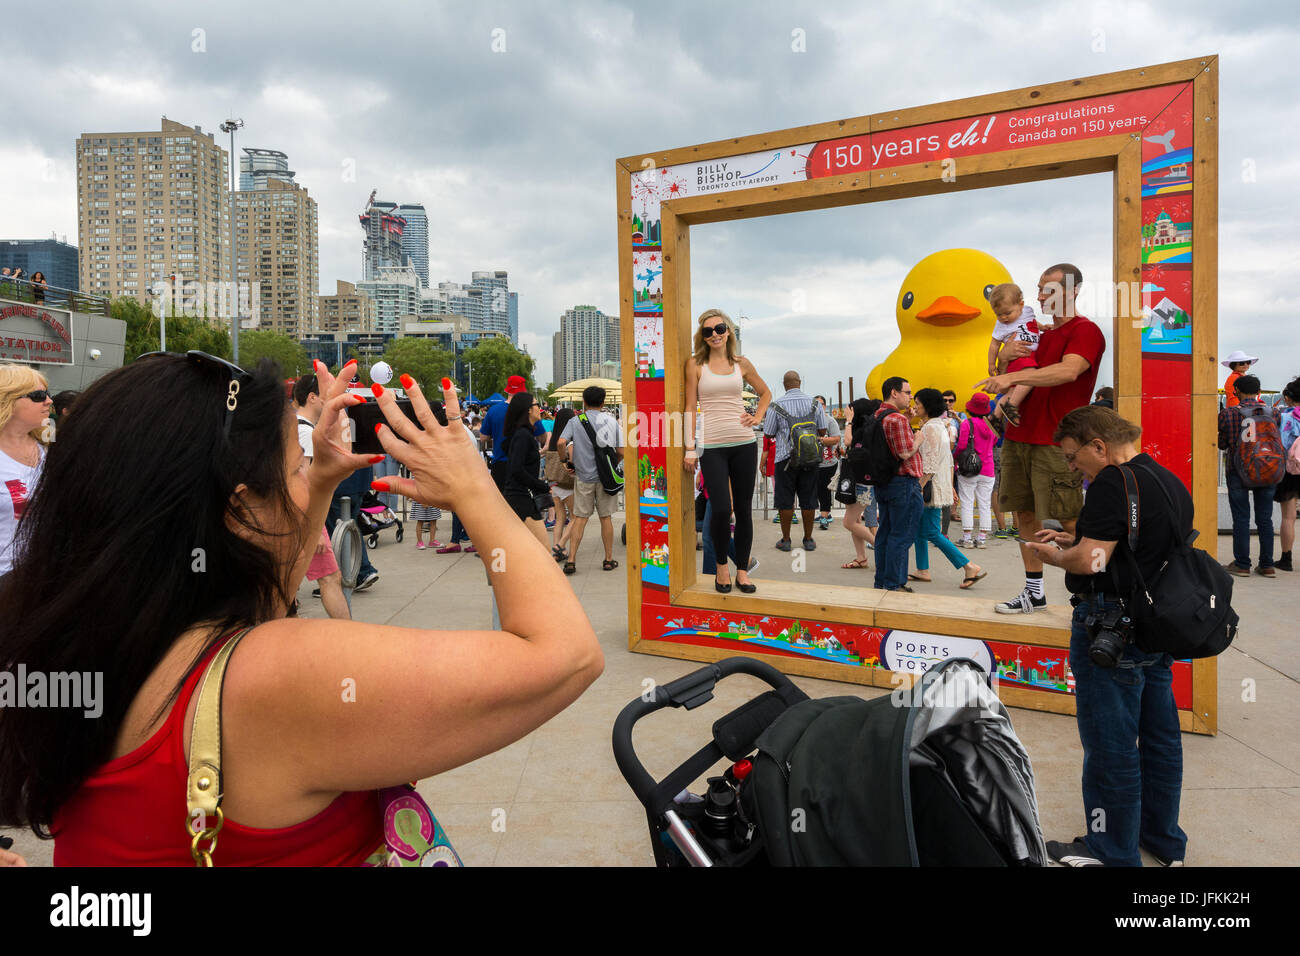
(947, 310)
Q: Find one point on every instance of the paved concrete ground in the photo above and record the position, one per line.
(556, 797)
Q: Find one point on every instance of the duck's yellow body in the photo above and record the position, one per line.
(945, 323)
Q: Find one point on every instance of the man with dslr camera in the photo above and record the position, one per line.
(1128, 722)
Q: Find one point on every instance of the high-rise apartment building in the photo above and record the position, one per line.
(277, 254)
(257, 166)
(381, 246)
(487, 302)
(348, 310)
(587, 337)
(151, 205)
(396, 293)
(415, 239)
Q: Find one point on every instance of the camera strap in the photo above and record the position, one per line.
(1134, 519)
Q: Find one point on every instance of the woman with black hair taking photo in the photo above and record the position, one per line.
(200, 513)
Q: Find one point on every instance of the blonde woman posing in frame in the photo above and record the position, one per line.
(728, 452)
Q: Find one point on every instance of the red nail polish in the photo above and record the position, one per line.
(358, 399)
(379, 486)
(377, 459)
(407, 381)
(446, 384)
(379, 426)
(349, 362)
(377, 389)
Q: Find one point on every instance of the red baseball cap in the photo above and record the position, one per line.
(515, 384)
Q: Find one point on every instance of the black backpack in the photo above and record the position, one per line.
(969, 463)
(1186, 610)
(873, 460)
(805, 447)
(609, 466)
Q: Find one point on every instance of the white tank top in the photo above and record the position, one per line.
(721, 406)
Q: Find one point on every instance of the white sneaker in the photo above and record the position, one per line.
(966, 543)
(981, 542)
(1022, 603)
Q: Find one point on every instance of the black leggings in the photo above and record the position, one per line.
(729, 475)
(825, 478)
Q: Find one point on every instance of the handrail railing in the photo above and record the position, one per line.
(24, 290)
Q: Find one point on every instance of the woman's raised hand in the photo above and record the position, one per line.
(332, 458)
(446, 468)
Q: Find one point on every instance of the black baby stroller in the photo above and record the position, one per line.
(373, 517)
(928, 776)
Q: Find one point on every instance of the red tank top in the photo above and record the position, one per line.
(132, 812)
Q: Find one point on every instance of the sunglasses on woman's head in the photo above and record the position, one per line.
(206, 361)
(710, 331)
(40, 395)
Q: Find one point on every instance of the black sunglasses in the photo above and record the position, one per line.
(40, 395)
(204, 360)
(710, 331)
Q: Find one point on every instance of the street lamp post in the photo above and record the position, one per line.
(229, 126)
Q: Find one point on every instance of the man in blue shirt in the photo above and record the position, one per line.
(791, 483)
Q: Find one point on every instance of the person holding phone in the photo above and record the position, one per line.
(1128, 720)
(302, 761)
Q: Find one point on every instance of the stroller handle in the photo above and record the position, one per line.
(691, 691)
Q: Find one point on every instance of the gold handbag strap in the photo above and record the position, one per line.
(203, 786)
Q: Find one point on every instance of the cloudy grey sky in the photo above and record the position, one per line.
(513, 152)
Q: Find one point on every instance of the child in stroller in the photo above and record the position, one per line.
(374, 517)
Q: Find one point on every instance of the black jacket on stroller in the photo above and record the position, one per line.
(933, 775)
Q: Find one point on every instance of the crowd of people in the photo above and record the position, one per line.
(1040, 367)
(256, 477)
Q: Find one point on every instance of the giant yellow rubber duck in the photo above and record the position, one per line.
(945, 322)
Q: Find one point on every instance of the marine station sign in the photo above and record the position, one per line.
(32, 333)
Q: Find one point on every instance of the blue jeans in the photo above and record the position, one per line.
(458, 533)
(900, 518)
(1132, 752)
(1239, 503)
(710, 557)
(354, 486)
(930, 532)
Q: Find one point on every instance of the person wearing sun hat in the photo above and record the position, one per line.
(1239, 362)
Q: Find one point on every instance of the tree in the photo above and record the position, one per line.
(494, 361)
(545, 393)
(258, 344)
(422, 360)
(184, 332)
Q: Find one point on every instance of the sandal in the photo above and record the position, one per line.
(570, 567)
(609, 564)
(856, 563)
(971, 580)
(913, 577)
(1012, 414)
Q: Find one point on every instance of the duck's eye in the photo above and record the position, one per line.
(988, 290)
(907, 300)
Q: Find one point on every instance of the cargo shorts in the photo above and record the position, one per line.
(1036, 478)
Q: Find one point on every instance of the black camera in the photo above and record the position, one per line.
(1110, 631)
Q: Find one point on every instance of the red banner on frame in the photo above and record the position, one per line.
(992, 132)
